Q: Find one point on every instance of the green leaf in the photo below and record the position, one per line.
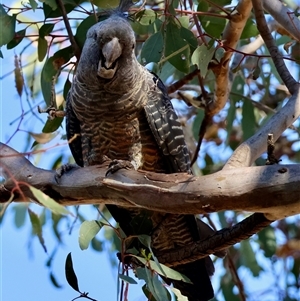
(248, 258)
(37, 228)
(248, 120)
(96, 244)
(46, 29)
(49, 12)
(87, 232)
(178, 294)
(227, 287)
(296, 268)
(48, 202)
(43, 138)
(177, 50)
(212, 25)
(168, 272)
(54, 281)
(184, 21)
(83, 28)
(70, 273)
(127, 279)
(146, 17)
(197, 123)
(20, 215)
(7, 27)
(19, 35)
(189, 37)
(147, 293)
(267, 241)
(202, 57)
(250, 30)
(152, 48)
(67, 87)
(51, 3)
(52, 125)
(42, 48)
(50, 69)
(106, 4)
(33, 4)
(154, 286)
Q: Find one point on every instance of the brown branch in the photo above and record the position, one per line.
(76, 49)
(277, 57)
(220, 241)
(265, 189)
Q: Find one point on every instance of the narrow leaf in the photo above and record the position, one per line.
(48, 202)
(70, 273)
(249, 258)
(87, 232)
(155, 287)
(54, 281)
(127, 279)
(33, 4)
(267, 241)
(178, 294)
(170, 273)
(248, 120)
(46, 29)
(19, 35)
(37, 228)
(43, 138)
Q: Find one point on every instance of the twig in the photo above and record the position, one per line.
(77, 50)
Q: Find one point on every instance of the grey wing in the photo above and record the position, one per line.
(165, 127)
(72, 129)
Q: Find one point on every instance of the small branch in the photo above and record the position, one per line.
(286, 18)
(220, 241)
(76, 49)
(277, 57)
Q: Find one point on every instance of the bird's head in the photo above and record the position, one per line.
(115, 41)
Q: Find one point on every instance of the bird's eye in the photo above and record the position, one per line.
(95, 36)
(132, 46)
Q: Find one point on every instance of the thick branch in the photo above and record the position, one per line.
(231, 36)
(251, 149)
(273, 190)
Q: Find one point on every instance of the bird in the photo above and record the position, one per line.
(121, 112)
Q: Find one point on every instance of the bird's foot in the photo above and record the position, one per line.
(115, 165)
(63, 169)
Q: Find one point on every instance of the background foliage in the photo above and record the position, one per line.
(36, 35)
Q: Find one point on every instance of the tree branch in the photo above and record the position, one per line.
(76, 49)
(277, 57)
(251, 149)
(273, 190)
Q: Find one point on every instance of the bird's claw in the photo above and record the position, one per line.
(62, 170)
(115, 165)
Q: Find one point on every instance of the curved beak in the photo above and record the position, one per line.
(108, 63)
(111, 52)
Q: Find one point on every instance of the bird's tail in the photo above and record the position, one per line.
(198, 272)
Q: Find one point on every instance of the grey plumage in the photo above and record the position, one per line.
(123, 112)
